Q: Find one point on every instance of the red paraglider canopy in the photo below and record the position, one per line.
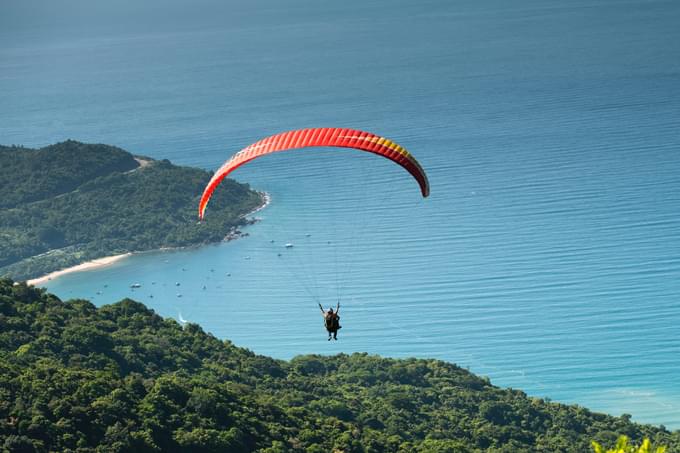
(314, 137)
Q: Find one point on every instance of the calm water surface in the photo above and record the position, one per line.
(548, 255)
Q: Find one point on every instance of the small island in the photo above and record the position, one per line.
(71, 203)
(120, 378)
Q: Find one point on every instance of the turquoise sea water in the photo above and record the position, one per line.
(548, 255)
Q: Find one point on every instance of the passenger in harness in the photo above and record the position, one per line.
(332, 321)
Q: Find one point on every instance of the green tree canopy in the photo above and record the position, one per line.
(74, 377)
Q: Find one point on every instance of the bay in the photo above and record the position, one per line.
(548, 255)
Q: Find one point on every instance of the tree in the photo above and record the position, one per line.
(623, 446)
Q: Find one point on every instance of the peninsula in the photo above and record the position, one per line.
(71, 203)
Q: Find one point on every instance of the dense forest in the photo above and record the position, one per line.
(118, 378)
(72, 202)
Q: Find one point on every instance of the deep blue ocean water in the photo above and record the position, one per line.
(548, 255)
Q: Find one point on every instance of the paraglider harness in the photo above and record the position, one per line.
(332, 323)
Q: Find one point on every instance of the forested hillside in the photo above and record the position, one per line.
(119, 378)
(36, 174)
(72, 202)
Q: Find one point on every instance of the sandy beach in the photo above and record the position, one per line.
(108, 260)
(87, 266)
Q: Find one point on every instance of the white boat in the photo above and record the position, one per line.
(289, 245)
(136, 285)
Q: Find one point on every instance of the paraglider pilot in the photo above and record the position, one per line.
(331, 320)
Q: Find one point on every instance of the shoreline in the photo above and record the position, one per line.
(108, 260)
(266, 199)
(86, 266)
